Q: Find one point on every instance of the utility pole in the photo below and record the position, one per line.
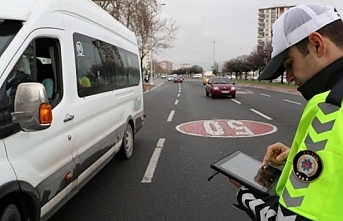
(214, 53)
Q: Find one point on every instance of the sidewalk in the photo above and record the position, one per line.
(148, 86)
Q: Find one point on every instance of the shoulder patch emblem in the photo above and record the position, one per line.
(307, 166)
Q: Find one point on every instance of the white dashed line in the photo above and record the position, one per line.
(262, 115)
(149, 173)
(170, 117)
(266, 95)
(293, 102)
(234, 100)
(176, 102)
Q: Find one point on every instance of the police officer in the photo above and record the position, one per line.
(308, 44)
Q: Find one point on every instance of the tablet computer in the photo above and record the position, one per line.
(248, 171)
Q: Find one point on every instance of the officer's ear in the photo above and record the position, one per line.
(317, 44)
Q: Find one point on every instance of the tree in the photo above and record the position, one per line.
(215, 68)
(143, 18)
(257, 60)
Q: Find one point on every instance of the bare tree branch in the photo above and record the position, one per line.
(143, 17)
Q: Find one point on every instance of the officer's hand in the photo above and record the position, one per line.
(276, 154)
(235, 183)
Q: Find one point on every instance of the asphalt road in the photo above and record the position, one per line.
(166, 179)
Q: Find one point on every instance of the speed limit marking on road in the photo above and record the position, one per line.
(224, 128)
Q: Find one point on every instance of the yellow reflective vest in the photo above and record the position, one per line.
(311, 183)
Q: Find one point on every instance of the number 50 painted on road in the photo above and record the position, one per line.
(226, 128)
(238, 127)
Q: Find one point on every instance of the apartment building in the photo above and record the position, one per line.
(146, 62)
(266, 18)
(166, 65)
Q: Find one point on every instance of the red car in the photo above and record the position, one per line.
(178, 79)
(220, 87)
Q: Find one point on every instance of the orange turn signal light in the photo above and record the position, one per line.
(45, 114)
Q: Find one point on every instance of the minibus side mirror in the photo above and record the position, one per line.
(32, 110)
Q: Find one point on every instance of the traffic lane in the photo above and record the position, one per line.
(263, 102)
(199, 153)
(114, 191)
(186, 187)
(195, 105)
(181, 177)
(235, 120)
(274, 96)
(164, 95)
(182, 173)
(283, 108)
(267, 100)
(200, 157)
(254, 146)
(296, 96)
(187, 162)
(111, 194)
(184, 165)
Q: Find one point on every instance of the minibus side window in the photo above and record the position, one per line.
(102, 67)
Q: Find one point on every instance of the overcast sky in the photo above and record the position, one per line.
(232, 24)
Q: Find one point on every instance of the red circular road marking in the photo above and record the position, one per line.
(226, 128)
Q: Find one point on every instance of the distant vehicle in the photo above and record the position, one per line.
(170, 77)
(279, 79)
(207, 76)
(178, 79)
(220, 87)
(163, 76)
(197, 76)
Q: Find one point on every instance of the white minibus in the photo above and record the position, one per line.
(71, 97)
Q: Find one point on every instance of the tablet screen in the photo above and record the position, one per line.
(248, 171)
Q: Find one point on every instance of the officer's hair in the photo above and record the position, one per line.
(330, 31)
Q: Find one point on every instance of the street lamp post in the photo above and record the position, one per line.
(214, 54)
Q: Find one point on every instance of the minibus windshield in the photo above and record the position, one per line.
(8, 30)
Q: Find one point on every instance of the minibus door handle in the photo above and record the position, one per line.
(68, 117)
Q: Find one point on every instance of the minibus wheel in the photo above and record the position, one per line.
(11, 213)
(127, 145)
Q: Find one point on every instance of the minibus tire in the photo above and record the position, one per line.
(11, 213)
(127, 145)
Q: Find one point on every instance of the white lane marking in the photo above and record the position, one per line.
(153, 88)
(170, 117)
(178, 95)
(293, 102)
(176, 102)
(262, 115)
(149, 173)
(244, 92)
(234, 100)
(266, 95)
